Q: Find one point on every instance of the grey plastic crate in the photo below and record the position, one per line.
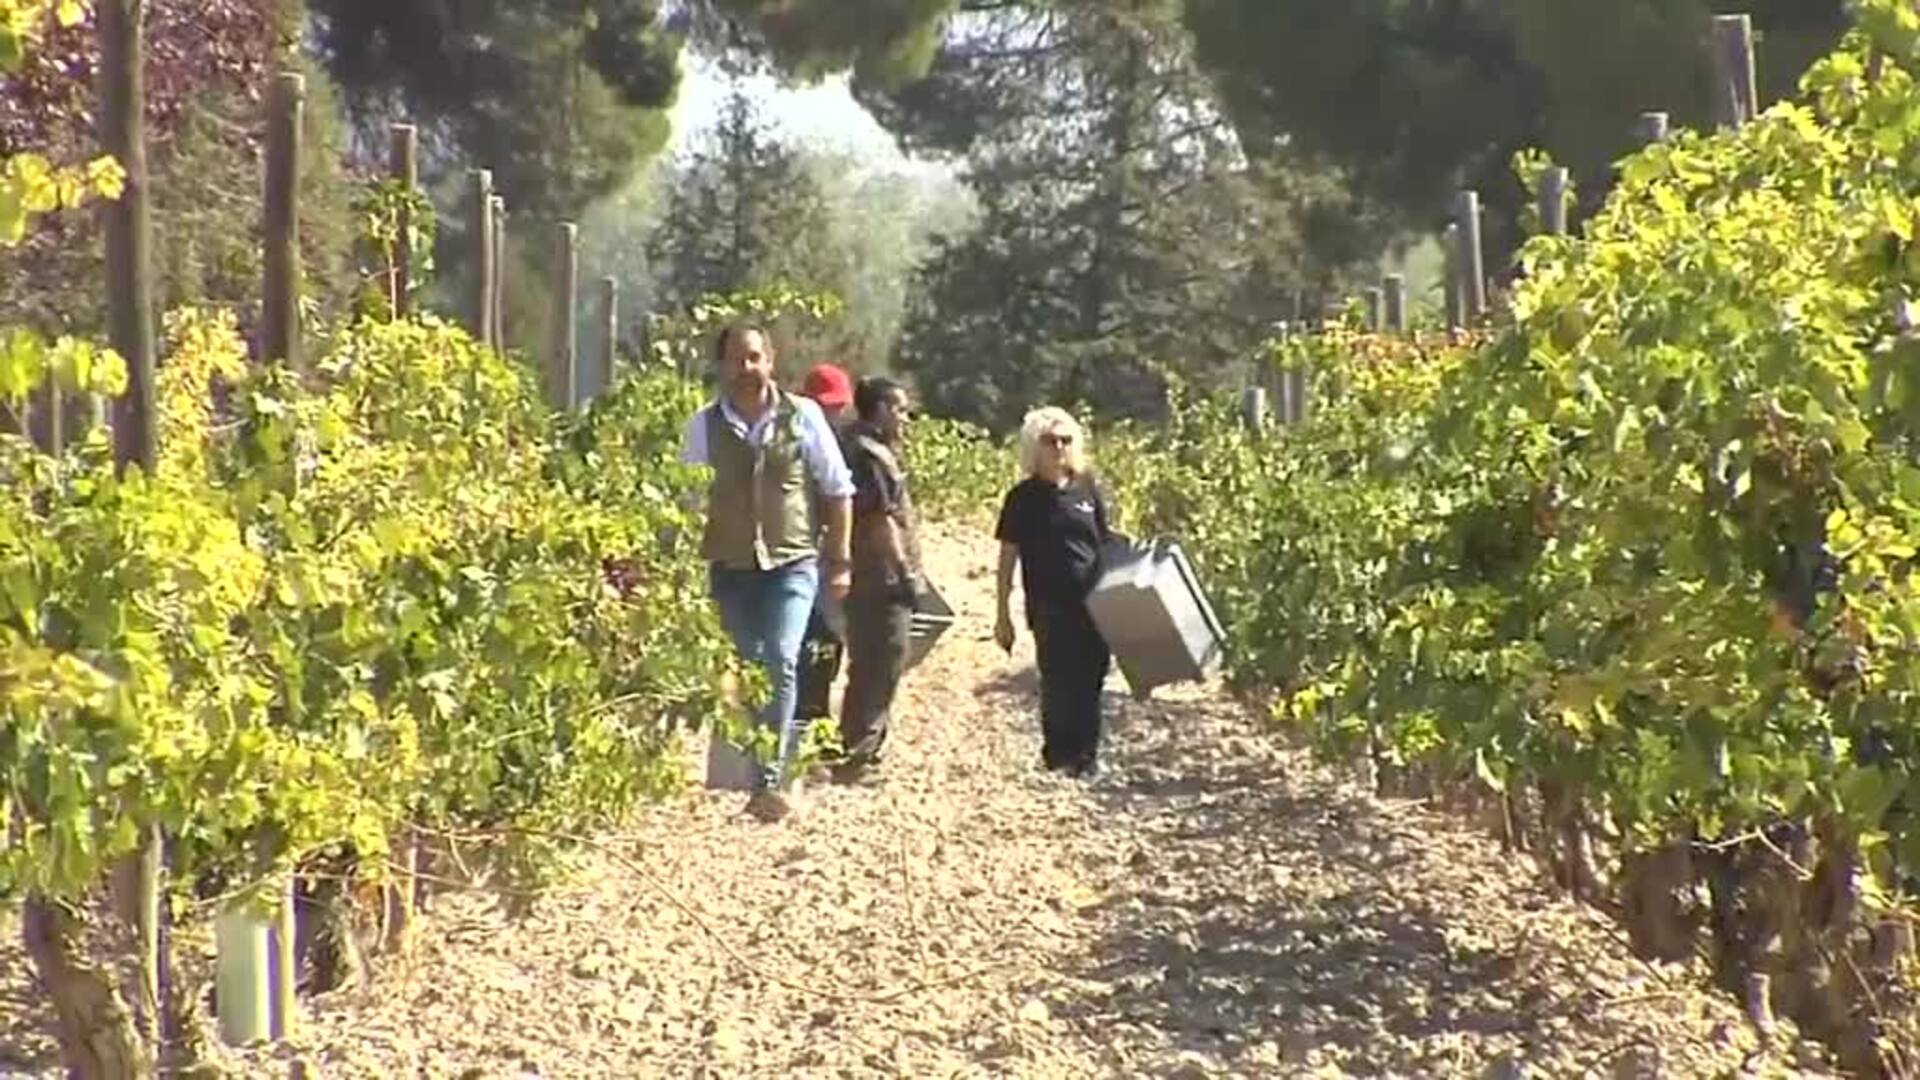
(1151, 610)
(931, 618)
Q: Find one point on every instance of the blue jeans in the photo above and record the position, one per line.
(765, 613)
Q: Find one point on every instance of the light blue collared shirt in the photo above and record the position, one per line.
(818, 446)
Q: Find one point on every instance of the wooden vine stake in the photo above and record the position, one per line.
(1267, 373)
(1282, 380)
(403, 168)
(130, 329)
(502, 220)
(1376, 310)
(1471, 265)
(1651, 128)
(255, 962)
(285, 1008)
(128, 226)
(1253, 410)
(1736, 97)
(1450, 248)
(280, 285)
(480, 296)
(1293, 385)
(563, 375)
(46, 417)
(1553, 201)
(610, 344)
(1393, 291)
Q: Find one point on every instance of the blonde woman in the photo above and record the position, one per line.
(1053, 525)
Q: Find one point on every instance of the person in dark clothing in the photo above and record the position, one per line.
(823, 647)
(1053, 526)
(886, 572)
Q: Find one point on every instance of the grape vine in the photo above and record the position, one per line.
(1635, 564)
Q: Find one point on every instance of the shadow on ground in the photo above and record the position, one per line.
(24, 1043)
(1279, 919)
(1271, 918)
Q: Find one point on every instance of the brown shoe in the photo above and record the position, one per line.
(768, 805)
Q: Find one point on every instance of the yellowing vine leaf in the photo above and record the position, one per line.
(30, 185)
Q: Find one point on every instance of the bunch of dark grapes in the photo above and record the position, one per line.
(623, 575)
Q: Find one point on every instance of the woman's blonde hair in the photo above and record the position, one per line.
(1051, 420)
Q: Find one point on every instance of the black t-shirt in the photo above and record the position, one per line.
(876, 489)
(1060, 532)
(879, 490)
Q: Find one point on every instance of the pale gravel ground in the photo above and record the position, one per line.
(1216, 905)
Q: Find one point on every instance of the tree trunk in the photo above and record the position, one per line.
(95, 1027)
(337, 945)
(1841, 1004)
(1565, 825)
(1782, 946)
(1496, 814)
(1652, 894)
(1383, 776)
(134, 885)
(1523, 811)
(402, 898)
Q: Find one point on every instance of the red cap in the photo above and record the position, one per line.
(829, 385)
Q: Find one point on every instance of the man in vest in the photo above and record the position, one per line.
(777, 471)
(886, 573)
(824, 646)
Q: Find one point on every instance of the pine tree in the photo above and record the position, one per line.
(742, 212)
(1123, 238)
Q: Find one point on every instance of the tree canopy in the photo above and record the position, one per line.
(563, 99)
(1123, 239)
(1418, 99)
(1410, 100)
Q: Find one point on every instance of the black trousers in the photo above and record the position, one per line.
(1073, 661)
(820, 653)
(879, 631)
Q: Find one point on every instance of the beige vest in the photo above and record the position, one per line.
(760, 507)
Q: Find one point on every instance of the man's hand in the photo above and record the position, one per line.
(908, 587)
(839, 580)
(1003, 631)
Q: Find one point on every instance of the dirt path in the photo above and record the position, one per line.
(1215, 905)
